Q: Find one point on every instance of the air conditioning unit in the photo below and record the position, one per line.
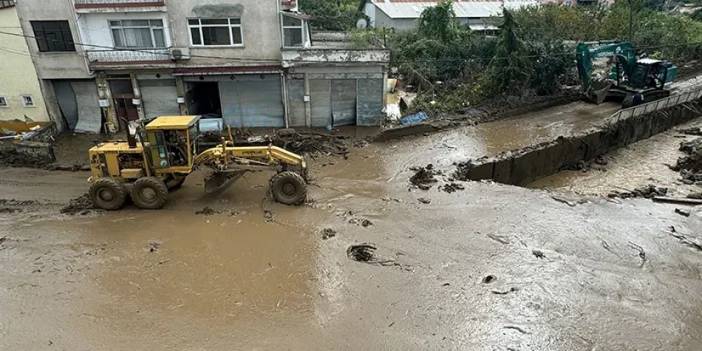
(180, 53)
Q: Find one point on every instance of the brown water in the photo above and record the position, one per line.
(639, 164)
(258, 275)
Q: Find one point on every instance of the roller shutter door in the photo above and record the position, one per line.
(159, 97)
(89, 113)
(370, 102)
(296, 102)
(320, 101)
(343, 98)
(252, 102)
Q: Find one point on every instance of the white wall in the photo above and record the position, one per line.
(17, 74)
(95, 27)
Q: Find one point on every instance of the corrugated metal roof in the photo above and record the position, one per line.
(463, 9)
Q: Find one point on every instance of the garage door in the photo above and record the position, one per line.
(320, 101)
(252, 101)
(343, 96)
(296, 102)
(159, 97)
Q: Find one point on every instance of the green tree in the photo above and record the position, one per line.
(332, 14)
(439, 22)
(511, 67)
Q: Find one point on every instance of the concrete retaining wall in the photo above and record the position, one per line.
(526, 165)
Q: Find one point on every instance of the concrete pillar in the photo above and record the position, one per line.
(180, 91)
(308, 103)
(284, 93)
(105, 94)
(137, 96)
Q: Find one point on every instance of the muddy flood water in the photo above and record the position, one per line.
(486, 267)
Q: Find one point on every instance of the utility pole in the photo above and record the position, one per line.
(631, 20)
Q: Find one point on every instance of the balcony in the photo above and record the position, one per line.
(315, 55)
(119, 5)
(128, 59)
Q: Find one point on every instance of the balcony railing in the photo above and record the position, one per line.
(98, 4)
(129, 57)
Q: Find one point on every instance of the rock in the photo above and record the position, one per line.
(424, 201)
(328, 233)
(424, 177)
(361, 252)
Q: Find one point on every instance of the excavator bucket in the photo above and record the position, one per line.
(220, 181)
(598, 93)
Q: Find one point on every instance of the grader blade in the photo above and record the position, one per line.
(220, 181)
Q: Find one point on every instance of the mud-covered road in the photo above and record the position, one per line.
(489, 267)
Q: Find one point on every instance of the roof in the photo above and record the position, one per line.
(172, 122)
(462, 8)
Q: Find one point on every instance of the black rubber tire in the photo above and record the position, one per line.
(149, 193)
(175, 182)
(108, 194)
(289, 188)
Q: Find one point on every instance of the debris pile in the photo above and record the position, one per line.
(691, 131)
(424, 177)
(13, 206)
(690, 165)
(361, 252)
(12, 158)
(310, 142)
(452, 187)
(328, 233)
(648, 191)
(81, 205)
(207, 211)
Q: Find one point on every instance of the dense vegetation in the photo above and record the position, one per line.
(533, 52)
(332, 14)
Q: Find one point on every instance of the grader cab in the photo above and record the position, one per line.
(165, 152)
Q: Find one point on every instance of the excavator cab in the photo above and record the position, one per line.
(166, 153)
(611, 69)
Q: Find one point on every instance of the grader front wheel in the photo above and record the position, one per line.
(107, 194)
(149, 193)
(289, 188)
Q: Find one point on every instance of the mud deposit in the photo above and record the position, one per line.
(650, 162)
(598, 275)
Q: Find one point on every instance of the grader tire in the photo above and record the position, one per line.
(175, 182)
(289, 188)
(149, 193)
(108, 194)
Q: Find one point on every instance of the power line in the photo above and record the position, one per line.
(423, 60)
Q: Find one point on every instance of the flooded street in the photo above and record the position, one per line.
(639, 164)
(489, 139)
(489, 267)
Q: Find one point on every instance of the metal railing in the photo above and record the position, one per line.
(670, 101)
(128, 56)
(117, 3)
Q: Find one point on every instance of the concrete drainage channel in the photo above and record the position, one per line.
(520, 167)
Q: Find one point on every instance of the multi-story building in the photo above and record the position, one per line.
(250, 61)
(21, 97)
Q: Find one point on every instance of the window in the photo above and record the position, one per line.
(53, 36)
(3, 101)
(216, 32)
(292, 31)
(138, 34)
(6, 3)
(27, 101)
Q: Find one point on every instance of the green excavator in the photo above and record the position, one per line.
(611, 70)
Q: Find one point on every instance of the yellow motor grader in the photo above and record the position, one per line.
(159, 156)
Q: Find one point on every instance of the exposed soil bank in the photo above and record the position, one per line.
(525, 165)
